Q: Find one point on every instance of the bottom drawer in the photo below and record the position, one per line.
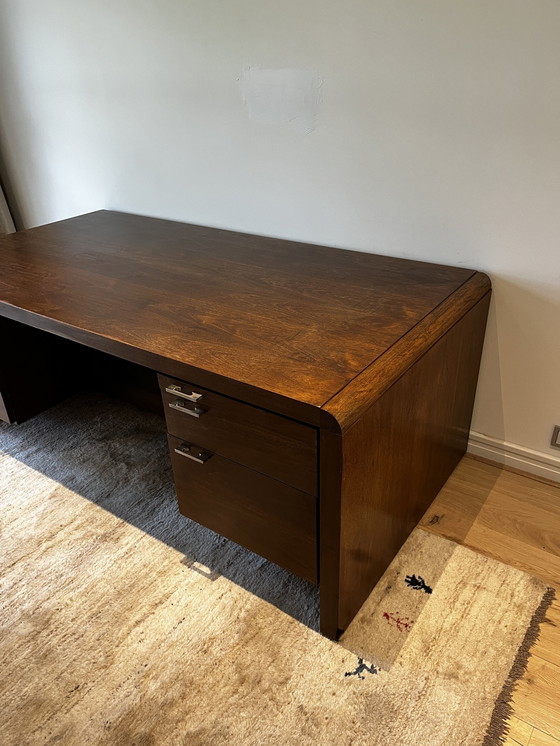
(268, 517)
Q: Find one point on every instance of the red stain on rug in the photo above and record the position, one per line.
(403, 624)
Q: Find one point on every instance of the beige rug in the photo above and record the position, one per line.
(123, 623)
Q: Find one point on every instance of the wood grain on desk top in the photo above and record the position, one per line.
(294, 319)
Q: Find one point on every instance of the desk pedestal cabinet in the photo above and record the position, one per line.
(316, 399)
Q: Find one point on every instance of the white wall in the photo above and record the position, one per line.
(418, 128)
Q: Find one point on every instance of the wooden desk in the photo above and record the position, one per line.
(316, 399)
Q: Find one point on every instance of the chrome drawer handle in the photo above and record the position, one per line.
(180, 407)
(177, 391)
(193, 452)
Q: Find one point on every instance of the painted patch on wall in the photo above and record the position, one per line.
(289, 97)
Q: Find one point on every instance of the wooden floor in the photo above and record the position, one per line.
(515, 519)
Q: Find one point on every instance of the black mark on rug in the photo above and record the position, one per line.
(360, 668)
(417, 583)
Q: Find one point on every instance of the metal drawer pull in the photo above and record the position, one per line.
(180, 407)
(174, 389)
(193, 452)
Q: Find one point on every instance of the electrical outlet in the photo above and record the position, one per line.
(555, 442)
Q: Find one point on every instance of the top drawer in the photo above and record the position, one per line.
(267, 442)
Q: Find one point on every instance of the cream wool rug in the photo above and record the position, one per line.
(122, 622)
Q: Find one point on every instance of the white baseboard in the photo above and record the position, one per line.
(509, 454)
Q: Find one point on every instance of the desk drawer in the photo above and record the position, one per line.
(268, 517)
(267, 442)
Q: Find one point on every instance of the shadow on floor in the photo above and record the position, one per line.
(116, 456)
(460, 502)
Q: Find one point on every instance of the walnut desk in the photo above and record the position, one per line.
(316, 399)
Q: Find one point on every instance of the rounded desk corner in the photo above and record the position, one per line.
(483, 280)
(328, 421)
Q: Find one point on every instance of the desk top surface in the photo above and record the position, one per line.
(294, 319)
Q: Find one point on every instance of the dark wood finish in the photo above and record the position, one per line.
(379, 355)
(353, 401)
(330, 486)
(400, 453)
(277, 446)
(266, 516)
(298, 321)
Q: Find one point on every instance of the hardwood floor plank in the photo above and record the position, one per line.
(479, 481)
(522, 518)
(519, 731)
(539, 738)
(515, 552)
(456, 508)
(536, 699)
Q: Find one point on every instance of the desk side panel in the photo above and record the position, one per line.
(399, 454)
(35, 371)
